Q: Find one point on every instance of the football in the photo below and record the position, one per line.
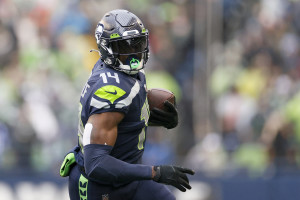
(157, 97)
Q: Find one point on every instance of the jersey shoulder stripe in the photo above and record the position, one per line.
(127, 101)
(99, 104)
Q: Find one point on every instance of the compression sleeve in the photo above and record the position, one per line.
(101, 166)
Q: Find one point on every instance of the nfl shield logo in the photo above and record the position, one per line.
(105, 197)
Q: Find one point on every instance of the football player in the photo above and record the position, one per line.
(113, 119)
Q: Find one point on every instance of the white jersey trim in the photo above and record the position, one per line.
(127, 101)
(99, 104)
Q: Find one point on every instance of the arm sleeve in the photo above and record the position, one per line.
(106, 169)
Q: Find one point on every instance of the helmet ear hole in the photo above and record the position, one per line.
(108, 61)
(103, 42)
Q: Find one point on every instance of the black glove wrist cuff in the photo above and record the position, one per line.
(157, 173)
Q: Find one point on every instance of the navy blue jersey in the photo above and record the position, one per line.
(109, 90)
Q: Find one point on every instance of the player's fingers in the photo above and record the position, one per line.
(156, 116)
(169, 106)
(187, 171)
(156, 123)
(157, 111)
(183, 176)
(184, 183)
(159, 114)
(168, 103)
(170, 126)
(179, 187)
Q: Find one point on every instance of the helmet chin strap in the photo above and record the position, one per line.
(132, 65)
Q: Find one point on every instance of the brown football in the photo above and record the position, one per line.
(157, 97)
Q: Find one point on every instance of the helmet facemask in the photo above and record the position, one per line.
(130, 53)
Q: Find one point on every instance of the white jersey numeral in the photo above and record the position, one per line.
(108, 74)
(115, 76)
(104, 78)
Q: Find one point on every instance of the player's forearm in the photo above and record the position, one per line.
(103, 167)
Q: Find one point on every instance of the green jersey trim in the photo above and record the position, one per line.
(83, 184)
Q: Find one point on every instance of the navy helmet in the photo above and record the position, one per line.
(123, 41)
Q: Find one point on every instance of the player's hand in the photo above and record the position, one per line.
(168, 118)
(173, 175)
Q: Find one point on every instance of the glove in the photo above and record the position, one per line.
(173, 175)
(168, 119)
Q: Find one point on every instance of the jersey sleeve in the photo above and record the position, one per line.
(113, 95)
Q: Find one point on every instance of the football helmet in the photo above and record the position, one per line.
(122, 41)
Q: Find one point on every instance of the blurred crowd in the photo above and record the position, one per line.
(45, 60)
(253, 85)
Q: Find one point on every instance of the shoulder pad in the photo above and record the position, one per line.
(114, 90)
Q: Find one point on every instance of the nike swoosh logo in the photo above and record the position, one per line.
(114, 93)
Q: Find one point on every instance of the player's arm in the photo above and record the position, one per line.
(105, 127)
(102, 129)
